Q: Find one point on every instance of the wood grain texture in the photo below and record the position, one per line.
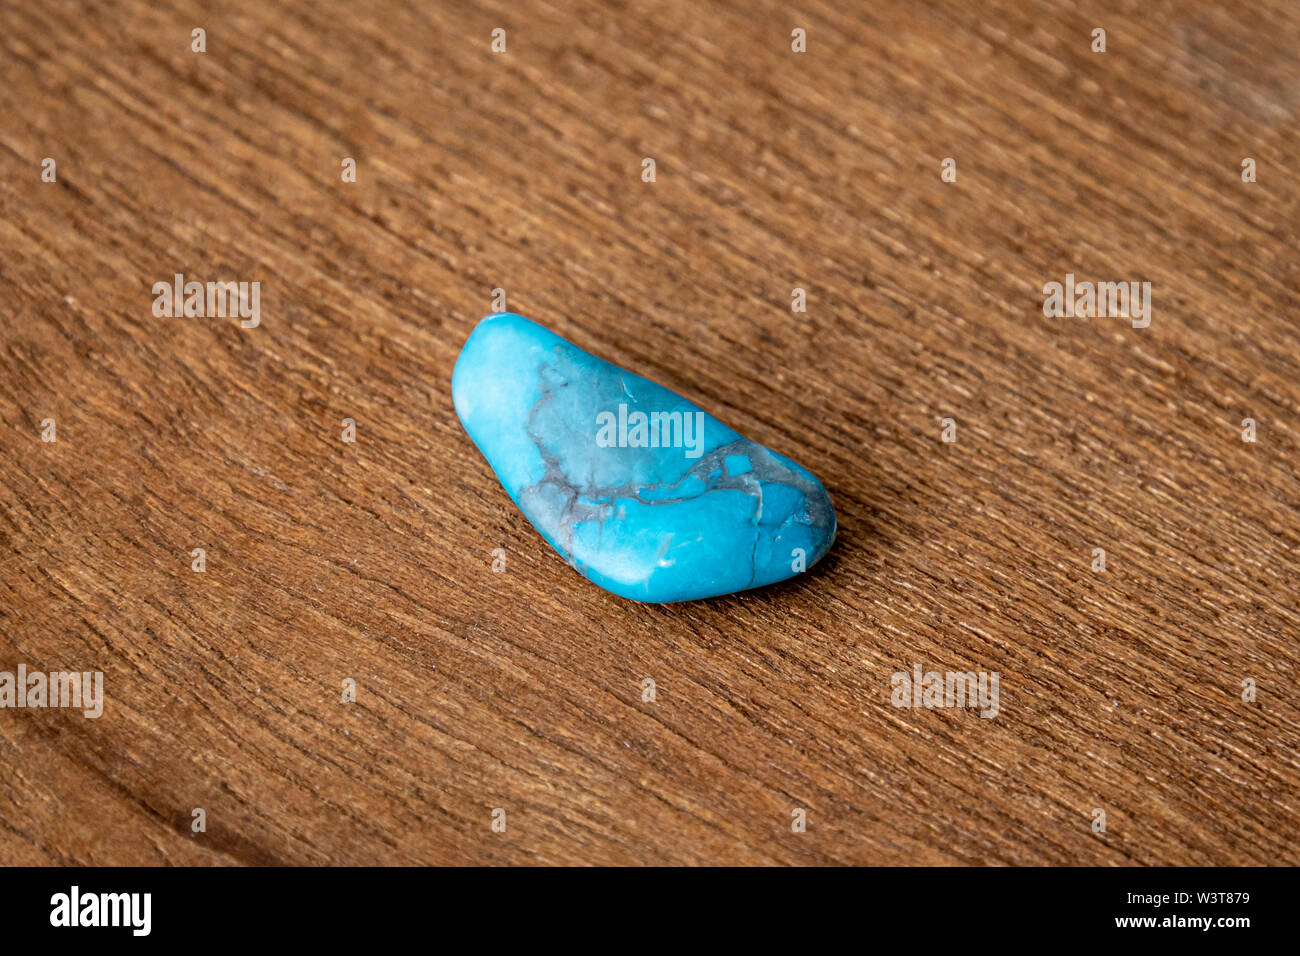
(775, 170)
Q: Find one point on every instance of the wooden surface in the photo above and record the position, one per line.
(521, 690)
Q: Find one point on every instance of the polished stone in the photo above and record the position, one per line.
(638, 489)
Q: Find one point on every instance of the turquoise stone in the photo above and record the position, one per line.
(638, 489)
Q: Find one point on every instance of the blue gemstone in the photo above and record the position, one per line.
(636, 488)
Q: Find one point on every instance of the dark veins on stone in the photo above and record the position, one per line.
(602, 498)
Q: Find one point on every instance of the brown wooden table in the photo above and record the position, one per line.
(1127, 691)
